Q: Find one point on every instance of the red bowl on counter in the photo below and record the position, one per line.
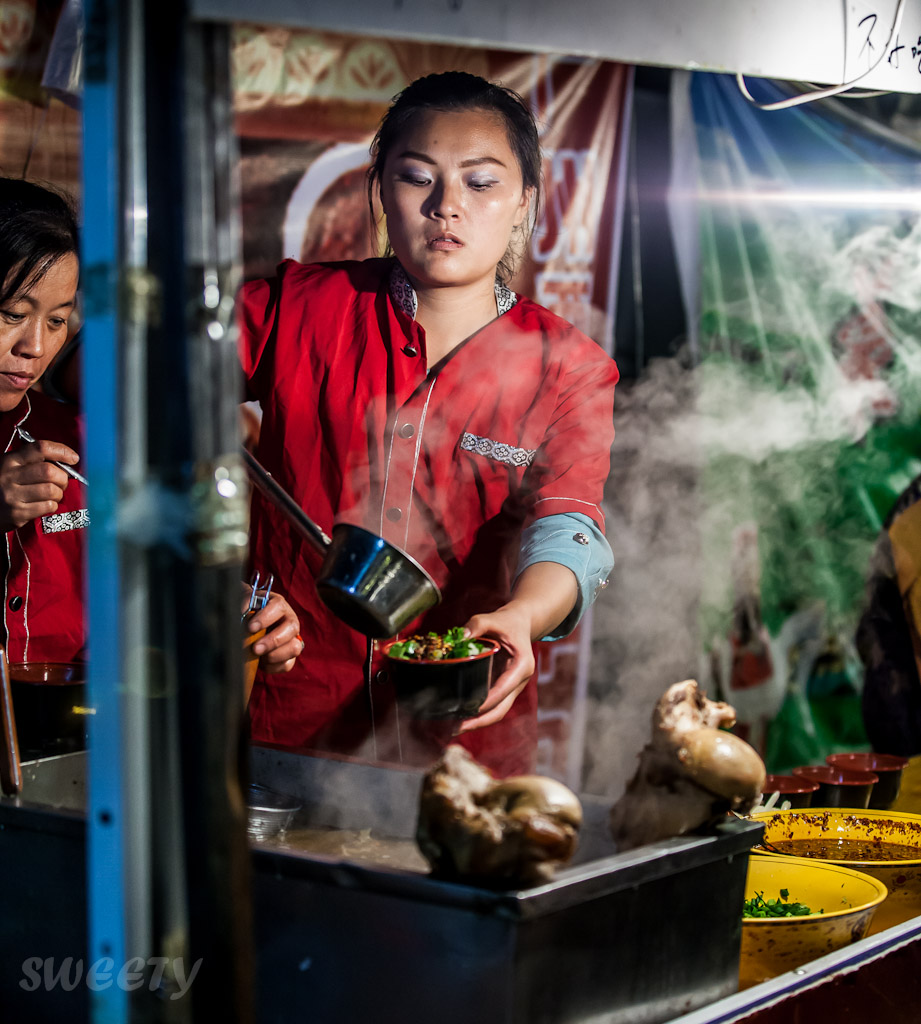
(48, 673)
(888, 767)
(838, 787)
(790, 789)
(49, 702)
(441, 687)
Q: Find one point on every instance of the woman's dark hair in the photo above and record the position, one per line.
(38, 227)
(459, 91)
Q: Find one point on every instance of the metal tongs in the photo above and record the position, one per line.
(762, 842)
(256, 603)
(255, 597)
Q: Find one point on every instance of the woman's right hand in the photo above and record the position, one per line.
(282, 643)
(30, 485)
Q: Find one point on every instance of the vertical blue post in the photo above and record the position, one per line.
(106, 869)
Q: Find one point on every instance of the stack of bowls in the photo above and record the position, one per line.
(887, 767)
(791, 790)
(50, 707)
(838, 787)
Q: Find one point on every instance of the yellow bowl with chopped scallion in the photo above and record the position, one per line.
(839, 904)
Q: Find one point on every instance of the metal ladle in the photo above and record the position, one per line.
(368, 583)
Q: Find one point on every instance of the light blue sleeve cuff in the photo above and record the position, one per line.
(573, 540)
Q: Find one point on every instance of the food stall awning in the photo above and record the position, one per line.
(162, 313)
(823, 41)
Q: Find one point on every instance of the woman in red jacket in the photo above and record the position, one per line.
(418, 396)
(43, 514)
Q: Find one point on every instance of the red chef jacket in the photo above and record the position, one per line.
(43, 578)
(448, 462)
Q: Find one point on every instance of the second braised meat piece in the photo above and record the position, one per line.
(691, 772)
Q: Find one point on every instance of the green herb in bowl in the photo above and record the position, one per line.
(437, 646)
(440, 675)
(758, 906)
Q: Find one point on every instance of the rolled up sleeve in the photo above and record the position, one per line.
(574, 540)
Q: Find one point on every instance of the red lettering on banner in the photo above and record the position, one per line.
(553, 736)
(568, 294)
(557, 681)
(565, 230)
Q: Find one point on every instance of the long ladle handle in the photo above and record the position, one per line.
(283, 501)
(10, 767)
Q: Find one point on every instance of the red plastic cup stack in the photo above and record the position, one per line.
(838, 787)
(790, 790)
(888, 767)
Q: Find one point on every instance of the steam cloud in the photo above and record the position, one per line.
(794, 448)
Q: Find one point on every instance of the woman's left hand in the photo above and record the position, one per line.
(282, 643)
(543, 595)
(512, 628)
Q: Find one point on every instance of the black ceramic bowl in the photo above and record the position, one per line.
(838, 787)
(797, 792)
(888, 767)
(441, 687)
(49, 702)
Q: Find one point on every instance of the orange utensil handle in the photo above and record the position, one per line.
(250, 660)
(10, 768)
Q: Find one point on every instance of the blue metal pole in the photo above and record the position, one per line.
(106, 821)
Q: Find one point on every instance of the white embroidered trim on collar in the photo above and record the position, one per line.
(404, 295)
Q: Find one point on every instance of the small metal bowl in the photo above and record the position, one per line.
(269, 813)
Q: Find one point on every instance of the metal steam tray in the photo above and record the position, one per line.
(630, 938)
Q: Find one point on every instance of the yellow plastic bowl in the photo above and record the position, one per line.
(771, 946)
(902, 878)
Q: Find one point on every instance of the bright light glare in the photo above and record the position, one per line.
(894, 199)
